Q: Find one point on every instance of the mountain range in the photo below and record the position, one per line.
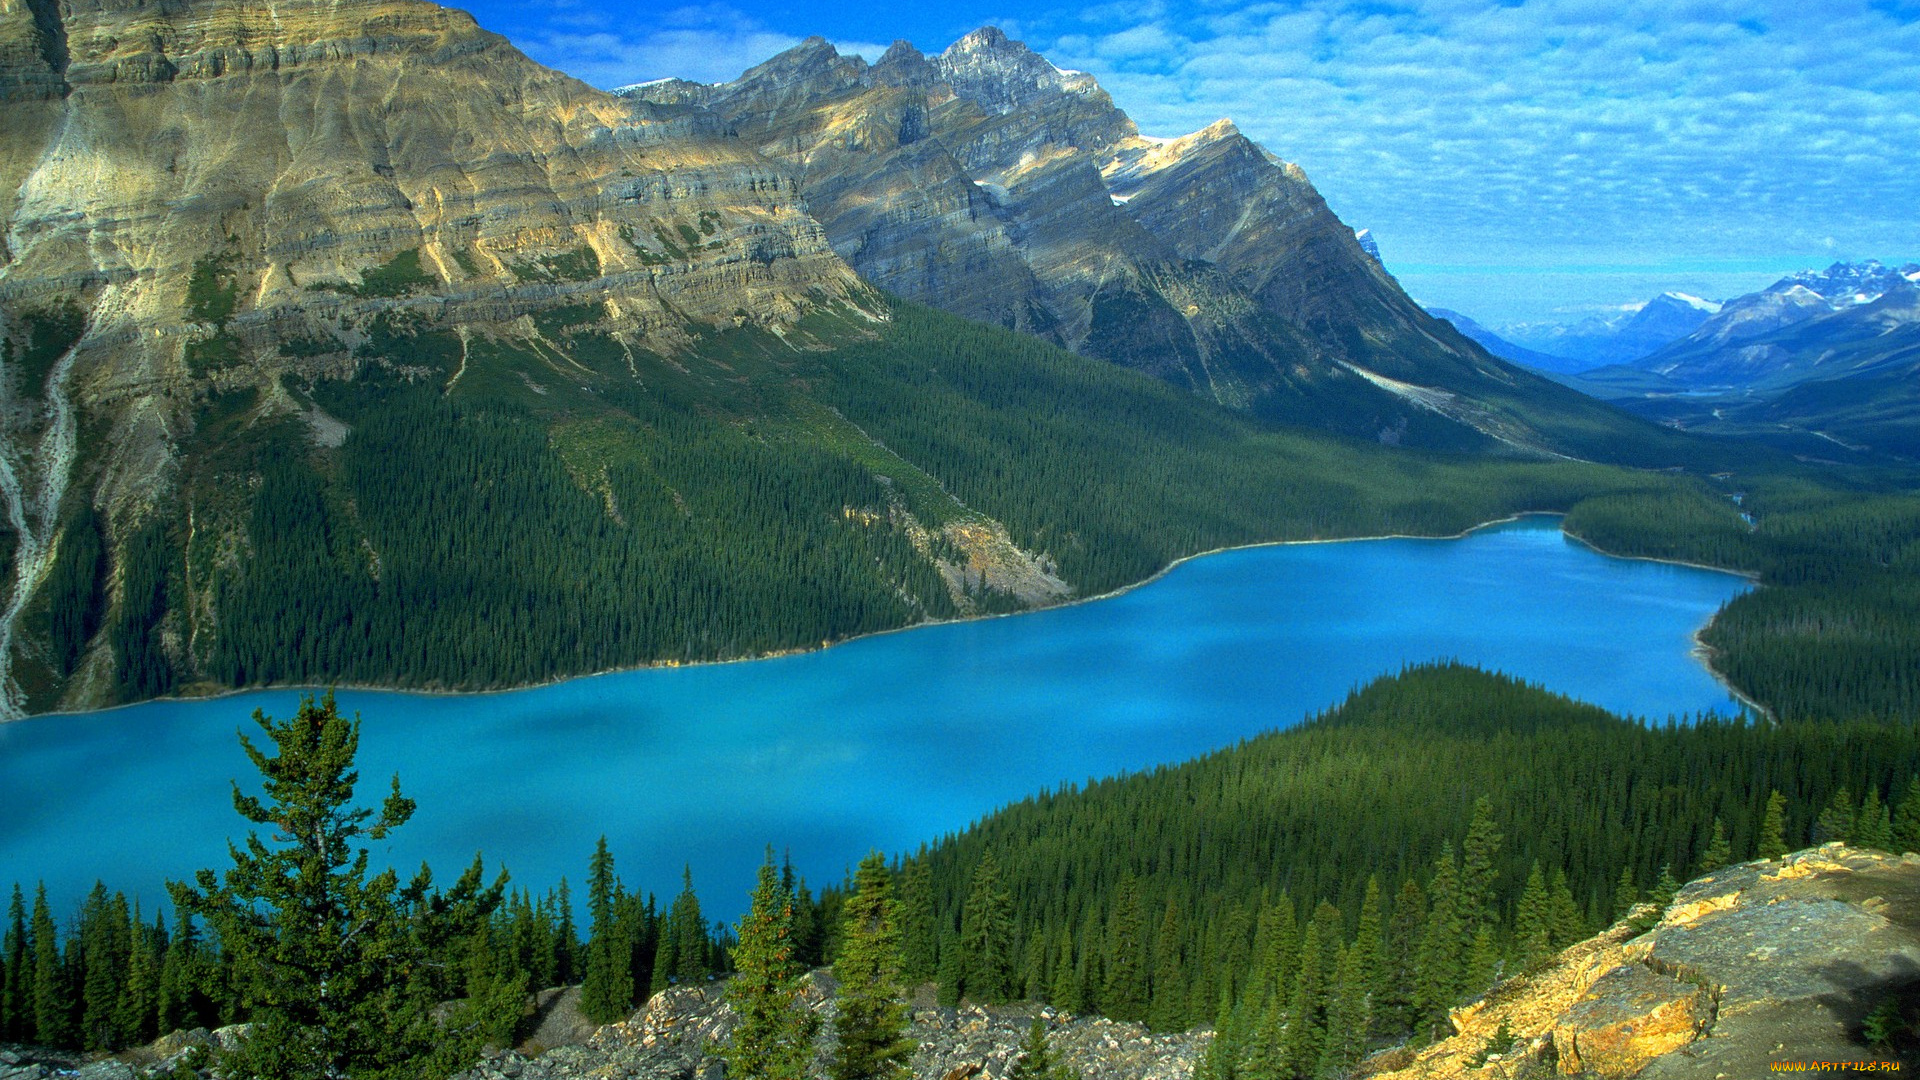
(1616, 337)
(1830, 355)
(345, 342)
(986, 182)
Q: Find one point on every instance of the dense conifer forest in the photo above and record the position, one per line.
(504, 514)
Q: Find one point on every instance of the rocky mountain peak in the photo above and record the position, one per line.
(1001, 74)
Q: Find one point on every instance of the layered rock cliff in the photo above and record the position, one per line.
(207, 196)
(985, 181)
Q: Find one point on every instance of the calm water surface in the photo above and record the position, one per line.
(883, 742)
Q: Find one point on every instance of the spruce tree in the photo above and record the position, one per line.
(607, 994)
(139, 1004)
(1665, 888)
(1347, 1019)
(182, 1002)
(323, 953)
(1773, 828)
(1626, 894)
(1906, 819)
(1836, 822)
(15, 994)
(1533, 923)
(692, 946)
(1569, 925)
(1036, 1060)
(1719, 852)
(871, 1024)
(1438, 964)
(1477, 855)
(1169, 1010)
(1305, 1031)
(1370, 946)
(1065, 991)
(919, 934)
(774, 1037)
(566, 940)
(1873, 828)
(53, 1022)
(1124, 997)
(1396, 1011)
(986, 936)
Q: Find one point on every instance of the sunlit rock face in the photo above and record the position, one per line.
(988, 182)
(213, 197)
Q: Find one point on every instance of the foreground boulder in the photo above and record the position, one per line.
(1751, 969)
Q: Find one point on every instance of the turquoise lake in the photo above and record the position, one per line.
(884, 742)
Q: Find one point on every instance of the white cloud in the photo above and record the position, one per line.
(1552, 133)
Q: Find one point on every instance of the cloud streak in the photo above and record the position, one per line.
(1555, 134)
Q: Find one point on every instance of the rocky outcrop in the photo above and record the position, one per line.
(673, 1037)
(1750, 967)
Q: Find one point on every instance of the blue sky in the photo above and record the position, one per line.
(1523, 160)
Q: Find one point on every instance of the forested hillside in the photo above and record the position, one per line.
(1837, 629)
(1438, 829)
(472, 512)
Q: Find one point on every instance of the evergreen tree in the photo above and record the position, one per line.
(1305, 1031)
(1370, 947)
(53, 1022)
(182, 999)
(607, 993)
(774, 1038)
(322, 951)
(1124, 997)
(1036, 1060)
(1837, 820)
(1665, 888)
(1874, 827)
(1169, 1011)
(1482, 964)
(1065, 990)
(139, 1005)
(1569, 925)
(1719, 851)
(986, 945)
(566, 940)
(1477, 855)
(1906, 819)
(1533, 923)
(1773, 828)
(15, 988)
(919, 934)
(687, 927)
(1438, 964)
(1626, 894)
(871, 1025)
(1347, 1019)
(1395, 1012)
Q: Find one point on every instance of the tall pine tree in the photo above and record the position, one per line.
(871, 1024)
(774, 1038)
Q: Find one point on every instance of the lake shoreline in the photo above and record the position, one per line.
(1701, 650)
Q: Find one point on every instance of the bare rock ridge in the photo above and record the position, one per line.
(209, 195)
(1757, 964)
(986, 181)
